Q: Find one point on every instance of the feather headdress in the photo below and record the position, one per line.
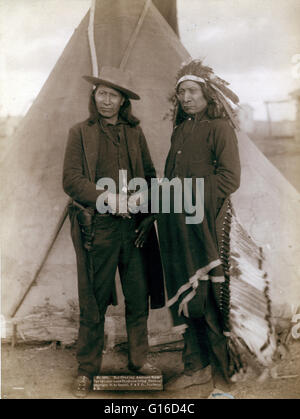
(218, 88)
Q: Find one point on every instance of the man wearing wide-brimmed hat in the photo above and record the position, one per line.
(109, 141)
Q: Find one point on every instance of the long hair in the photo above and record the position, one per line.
(214, 110)
(125, 111)
(215, 90)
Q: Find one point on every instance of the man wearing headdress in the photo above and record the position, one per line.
(109, 144)
(203, 145)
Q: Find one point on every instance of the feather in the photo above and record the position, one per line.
(196, 68)
(226, 91)
(229, 111)
(251, 340)
(217, 87)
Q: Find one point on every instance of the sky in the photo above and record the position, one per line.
(253, 44)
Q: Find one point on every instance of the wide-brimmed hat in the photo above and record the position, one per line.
(115, 78)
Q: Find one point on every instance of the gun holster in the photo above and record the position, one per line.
(85, 219)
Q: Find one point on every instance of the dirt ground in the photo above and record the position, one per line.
(46, 371)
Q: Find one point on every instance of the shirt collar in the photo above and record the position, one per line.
(105, 123)
(198, 116)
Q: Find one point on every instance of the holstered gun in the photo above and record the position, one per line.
(85, 219)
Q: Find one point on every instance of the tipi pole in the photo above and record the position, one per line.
(135, 34)
(54, 237)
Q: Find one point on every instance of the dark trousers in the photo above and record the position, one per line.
(203, 339)
(114, 248)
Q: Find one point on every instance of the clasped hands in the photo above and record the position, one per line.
(123, 207)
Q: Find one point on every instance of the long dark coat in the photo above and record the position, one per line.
(81, 157)
(208, 149)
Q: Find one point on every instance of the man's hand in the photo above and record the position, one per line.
(143, 231)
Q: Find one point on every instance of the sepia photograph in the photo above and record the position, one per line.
(150, 202)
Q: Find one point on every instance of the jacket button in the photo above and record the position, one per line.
(179, 152)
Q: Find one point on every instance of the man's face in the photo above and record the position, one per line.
(191, 97)
(108, 101)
